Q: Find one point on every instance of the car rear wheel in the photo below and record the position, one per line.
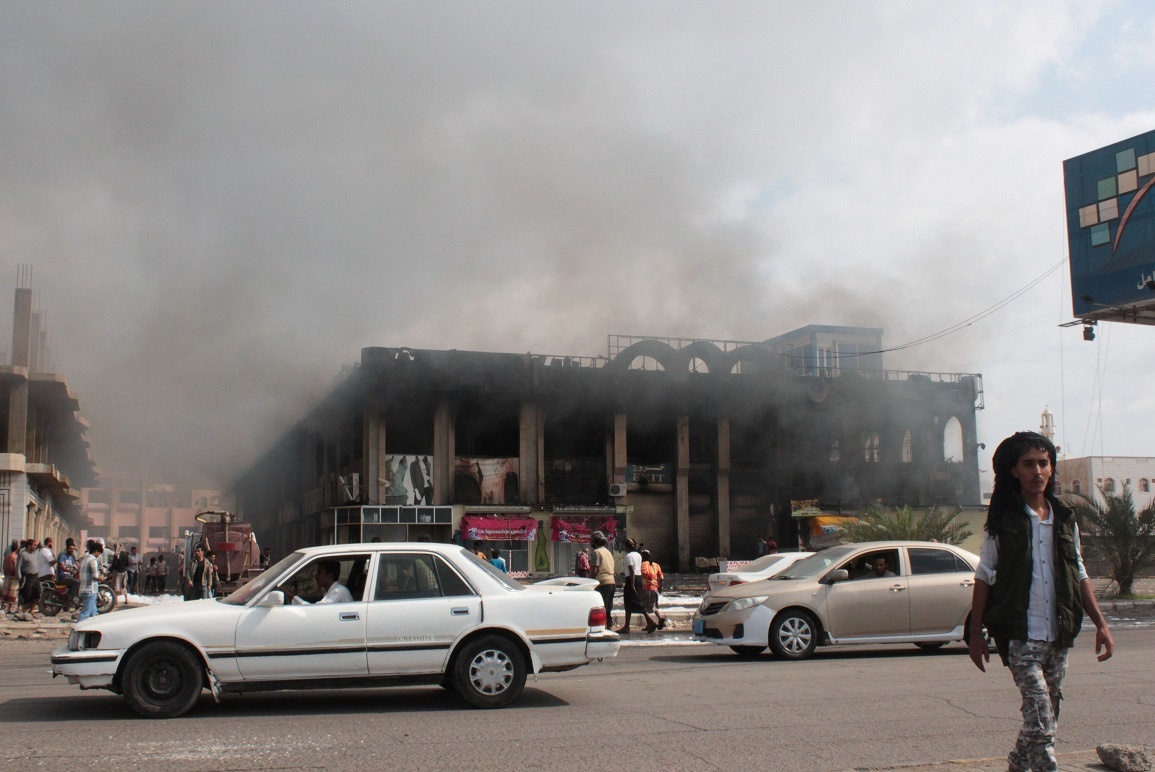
(162, 680)
(793, 635)
(747, 651)
(490, 672)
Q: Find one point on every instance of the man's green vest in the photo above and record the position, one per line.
(1006, 615)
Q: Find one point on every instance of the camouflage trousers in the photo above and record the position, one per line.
(1038, 668)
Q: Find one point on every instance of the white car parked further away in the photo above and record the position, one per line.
(756, 570)
(420, 613)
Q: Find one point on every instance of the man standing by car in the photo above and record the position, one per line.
(1031, 590)
(89, 580)
(132, 569)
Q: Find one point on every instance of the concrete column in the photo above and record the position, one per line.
(682, 493)
(375, 471)
(444, 452)
(34, 363)
(618, 451)
(18, 418)
(22, 328)
(531, 454)
(722, 465)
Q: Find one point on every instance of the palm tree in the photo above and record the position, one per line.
(1126, 539)
(903, 524)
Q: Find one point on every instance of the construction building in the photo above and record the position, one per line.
(693, 447)
(45, 458)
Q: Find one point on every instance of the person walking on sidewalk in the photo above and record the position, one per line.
(602, 567)
(632, 589)
(1031, 591)
(652, 579)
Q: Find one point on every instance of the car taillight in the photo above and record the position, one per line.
(597, 617)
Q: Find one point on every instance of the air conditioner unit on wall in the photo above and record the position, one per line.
(617, 490)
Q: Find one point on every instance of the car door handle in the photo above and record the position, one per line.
(459, 611)
(897, 587)
(967, 583)
(349, 616)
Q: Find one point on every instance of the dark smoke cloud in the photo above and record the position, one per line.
(224, 202)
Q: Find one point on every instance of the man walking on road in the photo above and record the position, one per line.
(1031, 590)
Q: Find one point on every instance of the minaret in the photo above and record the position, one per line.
(1047, 427)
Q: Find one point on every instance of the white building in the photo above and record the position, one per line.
(1111, 474)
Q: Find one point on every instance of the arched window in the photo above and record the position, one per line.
(952, 442)
(698, 365)
(870, 449)
(1076, 486)
(1109, 485)
(907, 448)
(1058, 488)
(1144, 485)
(834, 454)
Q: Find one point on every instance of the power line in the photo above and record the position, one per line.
(977, 317)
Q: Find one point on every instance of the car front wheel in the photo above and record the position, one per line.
(793, 635)
(490, 672)
(162, 680)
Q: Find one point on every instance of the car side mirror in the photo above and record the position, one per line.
(272, 600)
(837, 575)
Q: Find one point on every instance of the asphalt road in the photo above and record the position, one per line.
(667, 706)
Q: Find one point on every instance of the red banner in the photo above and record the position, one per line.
(578, 529)
(497, 528)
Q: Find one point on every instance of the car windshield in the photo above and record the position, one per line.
(762, 563)
(500, 576)
(242, 594)
(815, 565)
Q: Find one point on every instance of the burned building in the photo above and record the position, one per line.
(693, 447)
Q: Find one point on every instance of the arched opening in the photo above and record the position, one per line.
(1109, 485)
(697, 365)
(643, 362)
(870, 448)
(1076, 487)
(907, 448)
(952, 442)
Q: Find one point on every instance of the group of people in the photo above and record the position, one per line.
(29, 562)
(494, 557)
(126, 567)
(642, 583)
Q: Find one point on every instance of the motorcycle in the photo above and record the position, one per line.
(54, 598)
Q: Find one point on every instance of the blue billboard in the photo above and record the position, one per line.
(1111, 231)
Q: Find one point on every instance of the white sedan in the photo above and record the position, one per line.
(756, 570)
(420, 613)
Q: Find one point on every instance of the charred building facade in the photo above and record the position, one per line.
(693, 447)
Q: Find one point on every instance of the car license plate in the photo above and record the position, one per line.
(699, 627)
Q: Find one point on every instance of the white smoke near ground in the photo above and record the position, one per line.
(224, 202)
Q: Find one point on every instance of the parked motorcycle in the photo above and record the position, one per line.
(54, 598)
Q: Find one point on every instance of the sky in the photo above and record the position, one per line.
(222, 202)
